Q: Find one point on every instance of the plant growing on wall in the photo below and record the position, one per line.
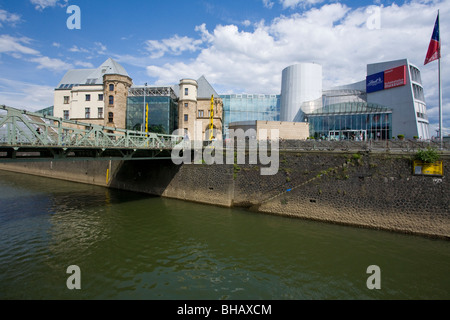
(429, 155)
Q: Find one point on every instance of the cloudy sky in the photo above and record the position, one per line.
(241, 46)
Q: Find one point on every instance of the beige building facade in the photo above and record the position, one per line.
(263, 129)
(95, 96)
(194, 109)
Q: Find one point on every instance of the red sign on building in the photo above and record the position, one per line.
(395, 77)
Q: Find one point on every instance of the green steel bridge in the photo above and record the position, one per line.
(28, 136)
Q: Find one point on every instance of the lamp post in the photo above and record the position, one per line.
(143, 112)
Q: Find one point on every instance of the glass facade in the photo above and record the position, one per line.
(46, 112)
(351, 121)
(248, 107)
(162, 114)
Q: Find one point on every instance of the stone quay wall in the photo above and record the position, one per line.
(370, 190)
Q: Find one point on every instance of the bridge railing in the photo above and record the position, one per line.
(23, 128)
(340, 146)
(370, 145)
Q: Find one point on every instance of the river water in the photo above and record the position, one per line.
(133, 246)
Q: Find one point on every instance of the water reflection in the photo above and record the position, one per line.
(131, 246)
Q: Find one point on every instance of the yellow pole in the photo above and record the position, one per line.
(211, 124)
(146, 118)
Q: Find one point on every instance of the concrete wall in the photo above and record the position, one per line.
(371, 190)
(286, 130)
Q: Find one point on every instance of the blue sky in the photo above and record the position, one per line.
(241, 46)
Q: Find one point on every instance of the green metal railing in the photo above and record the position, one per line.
(20, 128)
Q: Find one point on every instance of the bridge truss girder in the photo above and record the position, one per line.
(29, 135)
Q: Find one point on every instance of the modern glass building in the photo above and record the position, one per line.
(388, 103)
(47, 111)
(358, 121)
(249, 107)
(162, 109)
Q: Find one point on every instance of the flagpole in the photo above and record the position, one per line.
(441, 122)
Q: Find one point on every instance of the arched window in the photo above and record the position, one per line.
(111, 117)
(111, 87)
(111, 100)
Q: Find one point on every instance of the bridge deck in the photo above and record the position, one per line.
(30, 136)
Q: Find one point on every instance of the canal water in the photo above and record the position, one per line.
(133, 246)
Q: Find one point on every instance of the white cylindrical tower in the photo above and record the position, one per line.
(301, 83)
(188, 89)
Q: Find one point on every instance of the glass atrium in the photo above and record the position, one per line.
(163, 114)
(359, 121)
(249, 107)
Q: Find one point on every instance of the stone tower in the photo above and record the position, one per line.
(187, 106)
(116, 83)
(116, 94)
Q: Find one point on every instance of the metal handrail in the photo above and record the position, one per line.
(24, 128)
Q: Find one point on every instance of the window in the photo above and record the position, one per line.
(66, 114)
(201, 113)
(186, 105)
(186, 91)
(100, 113)
(88, 97)
(111, 100)
(66, 99)
(186, 117)
(87, 112)
(110, 117)
(111, 87)
(100, 97)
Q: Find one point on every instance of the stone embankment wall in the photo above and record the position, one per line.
(377, 191)
(366, 190)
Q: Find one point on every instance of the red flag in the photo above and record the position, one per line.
(434, 50)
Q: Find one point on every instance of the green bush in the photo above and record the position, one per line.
(401, 136)
(429, 155)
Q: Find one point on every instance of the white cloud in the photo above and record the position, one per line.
(10, 44)
(42, 4)
(100, 48)
(333, 35)
(268, 4)
(16, 94)
(206, 36)
(295, 3)
(50, 63)
(56, 44)
(76, 49)
(7, 17)
(16, 47)
(84, 64)
(175, 46)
